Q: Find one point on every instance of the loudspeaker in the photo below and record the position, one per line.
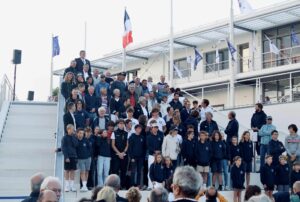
(30, 96)
(17, 57)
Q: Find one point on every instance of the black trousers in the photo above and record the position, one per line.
(119, 167)
(92, 180)
(136, 171)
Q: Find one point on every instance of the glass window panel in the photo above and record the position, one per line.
(284, 30)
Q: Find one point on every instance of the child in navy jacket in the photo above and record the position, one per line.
(267, 176)
(234, 150)
(203, 155)
(237, 175)
(188, 149)
(168, 168)
(276, 148)
(246, 146)
(156, 173)
(283, 175)
(295, 174)
(218, 154)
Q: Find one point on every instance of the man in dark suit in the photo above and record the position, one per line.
(141, 108)
(82, 61)
(114, 182)
(69, 117)
(232, 128)
(186, 184)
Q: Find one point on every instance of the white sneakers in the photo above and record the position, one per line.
(84, 189)
(69, 186)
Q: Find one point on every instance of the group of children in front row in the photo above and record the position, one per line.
(204, 153)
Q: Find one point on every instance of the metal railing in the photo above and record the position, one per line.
(59, 159)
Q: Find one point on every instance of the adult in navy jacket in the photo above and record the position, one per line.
(193, 120)
(82, 61)
(259, 118)
(209, 125)
(232, 128)
(69, 117)
(138, 109)
(92, 102)
(98, 120)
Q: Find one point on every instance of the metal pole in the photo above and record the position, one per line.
(15, 77)
(171, 46)
(85, 33)
(231, 62)
(291, 88)
(51, 68)
(124, 60)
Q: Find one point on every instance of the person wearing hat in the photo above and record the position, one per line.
(154, 145)
(265, 133)
(101, 84)
(136, 152)
(120, 84)
(119, 156)
(171, 145)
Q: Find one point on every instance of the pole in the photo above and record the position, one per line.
(231, 62)
(51, 68)
(171, 46)
(124, 60)
(85, 33)
(15, 78)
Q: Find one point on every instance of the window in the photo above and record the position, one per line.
(281, 37)
(212, 66)
(244, 57)
(183, 66)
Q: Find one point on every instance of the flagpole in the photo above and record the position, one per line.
(231, 62)
(171, 71)
(85, 34)
(124, 60)
(51, 69)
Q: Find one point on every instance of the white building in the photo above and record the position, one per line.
(259, 73)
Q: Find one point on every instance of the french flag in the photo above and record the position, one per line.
(127, 37)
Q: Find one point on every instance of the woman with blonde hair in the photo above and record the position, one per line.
(106, 194)
(133, 195)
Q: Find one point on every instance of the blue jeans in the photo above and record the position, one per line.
(225, 172)
(263, 152)
(103, 169)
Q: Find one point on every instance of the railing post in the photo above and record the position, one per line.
(291, 88)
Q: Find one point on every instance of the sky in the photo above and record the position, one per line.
(28, 26)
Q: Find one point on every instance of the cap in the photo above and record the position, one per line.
(296, 163)
(173, 128)
(154, 125)
(269, 118)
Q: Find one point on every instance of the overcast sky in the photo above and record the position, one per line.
(28, 25)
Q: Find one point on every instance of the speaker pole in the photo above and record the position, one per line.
(15, 78)
(51, 68)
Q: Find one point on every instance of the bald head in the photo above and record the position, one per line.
(113, 181)
(36, 181)
(47, 196)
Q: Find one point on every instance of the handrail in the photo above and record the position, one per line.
(6, 90)
(59, 160)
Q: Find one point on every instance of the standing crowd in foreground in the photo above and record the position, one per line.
(142, 131)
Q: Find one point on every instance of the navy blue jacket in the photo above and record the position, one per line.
(188, 150)
(119, 85)
(157, 172)
(232, 129)
(209, 127)
(121, 139)
(267, 175)
(68, 146)
(168, 172)
(92, 142)
(233, 151)
(66, 89)
(247, 151)
(117, 106)
(276, 148)
(282, 174)
(103, 147)
(203, 153)
(258, 119)
(218, 150)
(92, 101)
(192, 121)
(184, 114)
(176, 105)
(32, 198)
(137, 146)
(237, 175)
(81, 118)
(96, 122)
(138, 111)
(154, 142)
(83, 149)
(295, 176)
(79, 65)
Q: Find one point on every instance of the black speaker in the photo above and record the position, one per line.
(17, 57)
(30, 96)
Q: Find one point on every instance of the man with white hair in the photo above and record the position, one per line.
(186, 184)
(35, 183)
(114, 182)
(53, 184)
(141, 108)
(102, 119)
(158, 195)
(296, 189)
(47, 196)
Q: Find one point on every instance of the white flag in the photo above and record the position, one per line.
(178, 72)
(245, 7)
(273, 47)
(217, 56)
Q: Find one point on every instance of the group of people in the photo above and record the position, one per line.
(142, 131)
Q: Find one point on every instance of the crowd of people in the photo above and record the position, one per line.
(142, 131)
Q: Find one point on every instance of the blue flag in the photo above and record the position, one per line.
(231, 49)
(55, 46)
(294, 37)
(198, 58)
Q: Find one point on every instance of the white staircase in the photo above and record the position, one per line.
(27, 145)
